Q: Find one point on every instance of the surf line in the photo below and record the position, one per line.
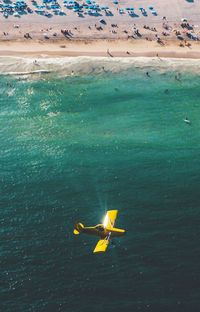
(39, 71)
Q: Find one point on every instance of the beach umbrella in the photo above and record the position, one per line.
(115, 2)
(150, 8)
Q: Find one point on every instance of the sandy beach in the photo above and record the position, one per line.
(116, 48)
(167, 29)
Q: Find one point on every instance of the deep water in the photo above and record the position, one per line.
(72, 148)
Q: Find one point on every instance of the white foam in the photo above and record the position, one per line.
(72, 66)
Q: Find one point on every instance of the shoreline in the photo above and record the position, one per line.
(29, 67)
(98, 48)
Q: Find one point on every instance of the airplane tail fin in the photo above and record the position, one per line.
(78, 228)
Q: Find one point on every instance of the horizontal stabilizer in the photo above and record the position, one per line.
(78, 228)
(76, 232)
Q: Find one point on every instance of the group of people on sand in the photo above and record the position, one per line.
(184, 31)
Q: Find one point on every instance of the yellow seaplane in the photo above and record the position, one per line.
(105, 231)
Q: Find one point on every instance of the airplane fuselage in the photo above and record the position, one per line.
(103, 232)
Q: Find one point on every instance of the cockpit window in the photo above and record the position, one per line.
(100, 228)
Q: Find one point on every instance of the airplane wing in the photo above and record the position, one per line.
(101, 245)
(109, 220)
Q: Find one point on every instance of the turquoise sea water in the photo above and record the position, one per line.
(71, 148)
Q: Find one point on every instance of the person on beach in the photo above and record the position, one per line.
(108, 52)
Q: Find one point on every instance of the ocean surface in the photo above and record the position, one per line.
(72, 148)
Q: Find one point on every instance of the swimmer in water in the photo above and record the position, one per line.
(178, 77)
(186, 120)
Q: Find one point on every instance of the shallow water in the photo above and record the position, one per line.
(71, 148)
